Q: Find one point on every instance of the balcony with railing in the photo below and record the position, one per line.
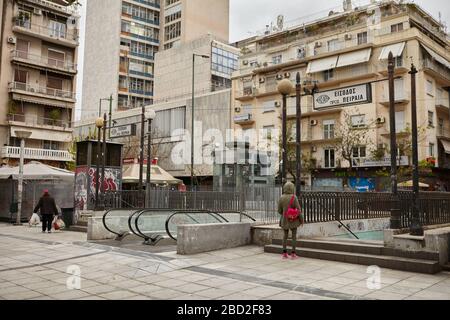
(246, 93)
(48, 33)
(70, 10)
(342, 74)
(244, 119)
(41, 122)
(436, 69)
(322, 47)
(36, 154)
(44, 92)
(154, 4)
(43, 62)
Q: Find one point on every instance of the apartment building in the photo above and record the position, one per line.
(174, 68)
(342, 59)
(38, 58)
(122, 38)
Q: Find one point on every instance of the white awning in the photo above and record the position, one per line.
(396, 49)
(437, 57)
(351, 58)
(322, 64)
(446, 145)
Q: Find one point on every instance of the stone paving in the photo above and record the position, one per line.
(40, 266)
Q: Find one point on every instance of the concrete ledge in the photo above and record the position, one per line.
(96, 230)
(263, 235)
(200, 238)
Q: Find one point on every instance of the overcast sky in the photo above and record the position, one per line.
(249, 16)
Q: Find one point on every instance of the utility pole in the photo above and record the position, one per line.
(416, 228)
(110, 115)
(395, 210)
(141, 154)
(298, 88)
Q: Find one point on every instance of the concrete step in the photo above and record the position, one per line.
(390, 262)
(82, 223)
(446, 267)
(361, 247)
(78, 228)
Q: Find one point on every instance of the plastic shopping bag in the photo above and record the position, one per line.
(58, 224)
(35, 220)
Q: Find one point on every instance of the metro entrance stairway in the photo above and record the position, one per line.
(363, 253)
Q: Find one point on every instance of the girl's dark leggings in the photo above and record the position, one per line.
(294, 240)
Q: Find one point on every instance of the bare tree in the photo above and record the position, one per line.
(159, 149)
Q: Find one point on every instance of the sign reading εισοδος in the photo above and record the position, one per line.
(358, 94)
(123, 131)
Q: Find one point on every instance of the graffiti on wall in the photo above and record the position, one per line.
(81, 188)
(111, 182)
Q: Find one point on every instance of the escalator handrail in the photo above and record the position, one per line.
(112, 210)
(241, 213)
(144, 211)
(211, 213)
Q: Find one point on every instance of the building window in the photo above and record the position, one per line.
(24, 19)
(397, 27)
(269, 106)
(430, 118)
(277, 59)
(441, 126)
(431, 150)
(268, 131)
(429, 87)
(329, 158)
(333, 45)
(173, 31)
(301, 52)
(359, 152)
(167, 121)
(57, 29)
(328, 75)
(328, 129)
(224, 61)
(20, 76)
(50, 145)
(358, 121)
(400, 121)
(362, 38)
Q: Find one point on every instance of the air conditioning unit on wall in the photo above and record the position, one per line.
(279, 77)
(262, 80)
(277, 104)
(12, 40)
(237, 109)
(348, 36)
(314, 123)
(37, 12)
(381, 120)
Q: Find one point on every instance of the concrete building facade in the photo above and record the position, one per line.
(39, 41)
(123, 37)
(342, 58)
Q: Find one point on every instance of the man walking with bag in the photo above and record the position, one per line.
(48, 209)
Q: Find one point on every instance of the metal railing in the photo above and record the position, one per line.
(47, 31)
(436, 67)
(52, 5)
(36, 154)
(47, 61)
(39, 121)
(50, 92)
(261, 203)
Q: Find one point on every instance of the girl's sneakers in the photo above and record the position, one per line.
(294, 256)
(285, 255)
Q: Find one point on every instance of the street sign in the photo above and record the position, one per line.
(123, 131)
(359, 94)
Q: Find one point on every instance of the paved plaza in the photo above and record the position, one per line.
(65, 266)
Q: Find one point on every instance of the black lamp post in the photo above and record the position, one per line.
(150, 115)
(99, 123)
(298, 89)
(395, 210)
(285, 88)
(416, 228)
(192, 115)
(141, 151)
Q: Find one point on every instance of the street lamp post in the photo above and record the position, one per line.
(192, 115)
(298, 154)
(102, 179)
(416, 227)
(150, 115)
(285, 88)
(99, 123)
(110, 99)
(22, 135)
(141, 152)
(395, 210)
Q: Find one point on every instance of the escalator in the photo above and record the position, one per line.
(155, 225)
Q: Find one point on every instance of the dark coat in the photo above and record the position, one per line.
(47, 206)
(283, 204)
